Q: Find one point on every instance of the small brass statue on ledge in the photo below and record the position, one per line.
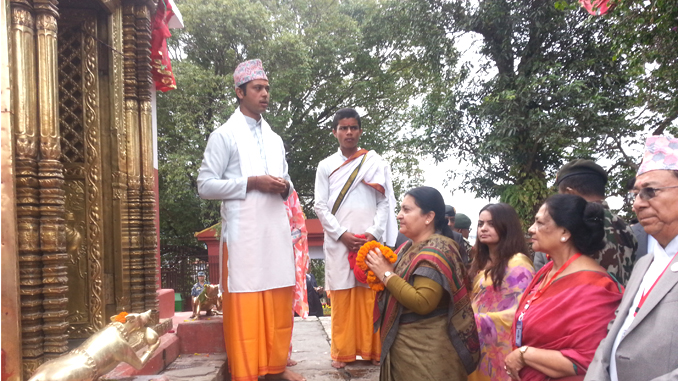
(209, 300)
(104, 350)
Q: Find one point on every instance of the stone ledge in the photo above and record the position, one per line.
(145, 378)
(198, 367)
(202, 335)
(163, 327)
(166, 303)
(167, 352)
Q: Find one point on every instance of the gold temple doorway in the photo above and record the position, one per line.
(78, 186)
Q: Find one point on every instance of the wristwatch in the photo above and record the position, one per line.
(386, 275)
(522, 350)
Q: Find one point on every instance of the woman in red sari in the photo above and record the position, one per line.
(564, 312)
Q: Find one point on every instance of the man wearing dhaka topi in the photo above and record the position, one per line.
(244, 167)
(642, 341)
(355, 203)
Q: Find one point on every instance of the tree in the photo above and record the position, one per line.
(646, 34)
(321, 55)
(551, 88)
(186, 116)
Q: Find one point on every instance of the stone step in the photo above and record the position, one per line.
(202, 335)
(166, 353)
(311, 351)
(310, 344)
(198, 367)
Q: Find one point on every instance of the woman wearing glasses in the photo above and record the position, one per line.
(564, 312)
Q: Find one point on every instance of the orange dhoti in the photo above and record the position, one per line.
(257, 329)
(352, 325)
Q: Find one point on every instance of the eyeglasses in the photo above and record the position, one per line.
(648, 193)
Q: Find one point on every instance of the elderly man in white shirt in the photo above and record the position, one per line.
(642, 342)
(244, 166)
(355, 203)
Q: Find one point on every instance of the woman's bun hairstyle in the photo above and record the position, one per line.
(584, 220)
(594, 220)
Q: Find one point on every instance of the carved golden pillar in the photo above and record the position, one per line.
(9, 260)
(144, 83)
(24, 104)
(51, 178)
(121, 238)
(134, 221)
(93, 176)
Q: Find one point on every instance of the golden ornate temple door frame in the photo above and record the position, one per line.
(80, 133)
(82, 162)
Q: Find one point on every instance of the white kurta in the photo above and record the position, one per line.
(364, 210)
(255, 226)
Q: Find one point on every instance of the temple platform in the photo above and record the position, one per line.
(194, 351)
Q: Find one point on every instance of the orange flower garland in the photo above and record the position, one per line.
(372, 280)
(120, 318)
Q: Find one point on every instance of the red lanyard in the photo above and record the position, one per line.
(539, 292)
(646, 294)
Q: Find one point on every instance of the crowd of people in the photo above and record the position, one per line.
(594, 302)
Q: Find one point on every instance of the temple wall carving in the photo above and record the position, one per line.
(144, 85)
(83, 174)
(25, 125)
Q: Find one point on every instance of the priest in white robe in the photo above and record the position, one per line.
(244, 166)
(353, 199)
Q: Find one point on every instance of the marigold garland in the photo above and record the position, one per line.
(120, 318)
(372, 280)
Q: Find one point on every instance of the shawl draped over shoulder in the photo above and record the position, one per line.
(438, 259)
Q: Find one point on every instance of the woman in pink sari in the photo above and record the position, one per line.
(500, 273)
(564, 312)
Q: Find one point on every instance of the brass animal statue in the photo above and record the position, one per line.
(209, 300)
(104, 350)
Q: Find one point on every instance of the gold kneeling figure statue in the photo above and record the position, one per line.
(104, 350)
(209, 300)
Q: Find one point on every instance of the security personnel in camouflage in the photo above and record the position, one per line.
(619, 253)
(587, 179)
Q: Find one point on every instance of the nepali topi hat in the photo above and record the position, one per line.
(661, 152)
(249, 71)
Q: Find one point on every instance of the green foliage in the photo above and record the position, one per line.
(645, 33)
(320, 55)
(532, 192)
(317, 268)
(551, 84)
(184, 122)
(548, 89)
